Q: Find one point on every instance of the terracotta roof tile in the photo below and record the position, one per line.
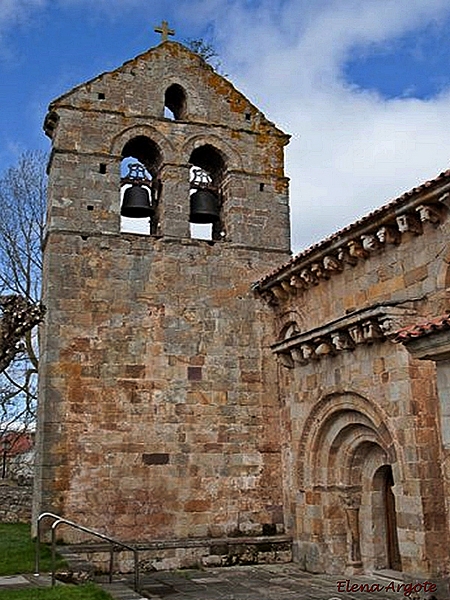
(412, 332)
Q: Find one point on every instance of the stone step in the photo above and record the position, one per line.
(265, 540)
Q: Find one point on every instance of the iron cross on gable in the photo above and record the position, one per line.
(164, 30)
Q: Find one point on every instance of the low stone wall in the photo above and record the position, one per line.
(184, 554)
(15, 503)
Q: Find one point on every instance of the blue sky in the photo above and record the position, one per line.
(363, 86)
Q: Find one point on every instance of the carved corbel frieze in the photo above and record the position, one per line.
(332, 264)
(297, 282)
(319, 272)
(279, 292)
(429, 213)
(371, 331)
(356, 249)
(307, 352)
(344, 256)
(388, 235)
(409, 223)
(370, 243)
(316, 266)
(341, 340)
(308, 277)
(287, 287)
(368, 326)
(323, 348)
(269, 297)
(356, 334)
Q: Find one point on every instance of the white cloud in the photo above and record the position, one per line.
(351, 150)
(13, 13)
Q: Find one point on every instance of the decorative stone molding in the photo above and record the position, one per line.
(409, 222)
(366, 326)
(352, 246)
(429, 213)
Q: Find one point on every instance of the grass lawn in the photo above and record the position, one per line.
(87, 591)
(17, 556)
(17, 550)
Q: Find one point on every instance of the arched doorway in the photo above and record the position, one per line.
(348, 517)
(384, 516)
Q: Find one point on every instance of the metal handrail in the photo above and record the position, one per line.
(57, 521)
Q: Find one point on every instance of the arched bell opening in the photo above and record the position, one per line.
(175, 102)
(206, 194)
(140, 186)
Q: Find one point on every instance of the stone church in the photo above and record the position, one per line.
(203, 392)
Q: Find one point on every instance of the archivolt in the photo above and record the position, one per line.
(341, 433)
(231, 157)
(166, 146)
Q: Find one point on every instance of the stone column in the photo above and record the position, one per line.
(352, 503)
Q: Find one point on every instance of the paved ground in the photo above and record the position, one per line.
(262, 582)
(271, 582)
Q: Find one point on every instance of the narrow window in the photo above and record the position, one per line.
(175, 102)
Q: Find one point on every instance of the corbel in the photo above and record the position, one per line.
(279, 292)
(269, 297)
(342, 341)
(323, 348)
(356, 334)
(370, 242)
(286, 360)
(307, 351)
(332, 264)
(388, 235)
(308, 278)
(408, 222)
(344, 256)
(371, 331)
(287, 287)
(318, 271)
(356, 250)
(429, 213)
(297, 282)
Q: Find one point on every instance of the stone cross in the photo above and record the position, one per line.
(164, 30)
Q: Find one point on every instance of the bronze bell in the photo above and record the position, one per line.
(136, 203)
(204, 207)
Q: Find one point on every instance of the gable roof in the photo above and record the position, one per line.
(170, 59)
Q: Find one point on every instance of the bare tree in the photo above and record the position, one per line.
(22, 205)
(207, 51)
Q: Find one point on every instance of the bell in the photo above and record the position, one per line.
(136, 203)
(204, 207)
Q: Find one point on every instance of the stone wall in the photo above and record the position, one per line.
(15, 503)
(158, 392)
(357, 408)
